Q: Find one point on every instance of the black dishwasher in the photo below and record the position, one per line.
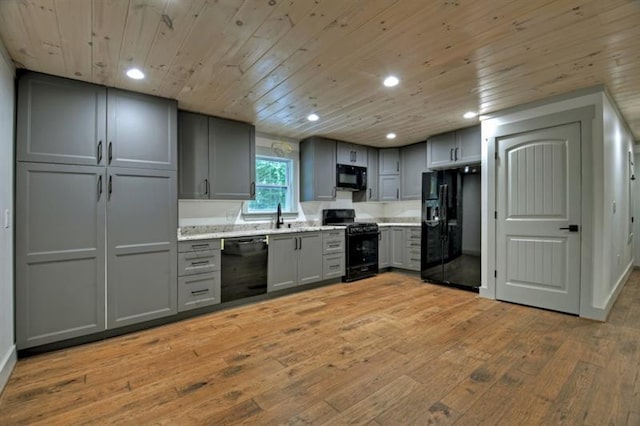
(244, 267)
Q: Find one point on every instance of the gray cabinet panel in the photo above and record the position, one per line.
(142, 131)
(60, 261)
(389, 188)
(193, 156)
(333, 266)
(317, 169)
(141, 251)
(442, 149)
(383, 248)
(198, 290)
(413, 164)
(309, 257)
(198, 262)
(389, 161)
(232, 160)
(398, 247)
(60, 121)
(351, 154)
(372, 175)
(469, 144)
(282, 265)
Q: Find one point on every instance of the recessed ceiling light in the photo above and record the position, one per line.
(391, 135)
(391, 81)
(313, 117)
(135, 74)
(470, 114)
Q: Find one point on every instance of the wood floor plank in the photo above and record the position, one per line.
(385, 350)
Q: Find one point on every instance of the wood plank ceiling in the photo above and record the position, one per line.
(273, 62)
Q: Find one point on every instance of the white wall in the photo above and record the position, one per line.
(471, 214)
(606, 252)
(7, 103)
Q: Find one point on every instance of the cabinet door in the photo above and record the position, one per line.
(309, 257)
(193, 156)
(383, 248)
(282, 262)
(60, 243)
(142, 131)
(317, 170)
(360, 157)
(389, 160)
(344, 153)
(389, 188)
(141, 245)
(372, 175)
(232, 160)
(398, 247)
(60, 121)
(442, 149)
(414, 163)
(469, 145)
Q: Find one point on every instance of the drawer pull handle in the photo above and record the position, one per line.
(415, 260)
(334, 266)
(201, 263)
(334, 245)
(198, 292)
(199, 246)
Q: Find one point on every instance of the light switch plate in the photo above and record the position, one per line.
(7, 218)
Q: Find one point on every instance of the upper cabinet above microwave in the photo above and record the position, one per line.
(351, 154)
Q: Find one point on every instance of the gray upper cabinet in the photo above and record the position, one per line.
(60, 252)
(217, 158)
(413, 164)
(60, 121)
(469, 143)
(142, 218)
(351, 154)
(193, 156)
(232, 160)
(141, 131)
(389, 188)
(372, 191)
(455, 148)
(317, 169)
(389, 161)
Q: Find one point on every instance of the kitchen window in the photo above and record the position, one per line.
(275, 177)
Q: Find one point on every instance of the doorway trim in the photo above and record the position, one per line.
(588, 181)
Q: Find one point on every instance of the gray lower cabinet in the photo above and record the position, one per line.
(294, 259)
(398, 247)
(413, 241)
(232, 160)
(389, 187)
(383, 248)
(60, 120)
(198, 274)
(317, 169)
(141, 245)
(333, 255)
(413, 164)
(60, 252)
(141, 131)
(217, 158)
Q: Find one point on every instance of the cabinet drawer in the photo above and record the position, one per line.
(413, 258)
(414, 234)
(333, 242)
(187, 246)
(332, 266)
(198, 262)
(198, 290)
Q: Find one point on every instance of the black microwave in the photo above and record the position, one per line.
(351, 178)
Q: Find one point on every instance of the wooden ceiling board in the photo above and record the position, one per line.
(272, 62)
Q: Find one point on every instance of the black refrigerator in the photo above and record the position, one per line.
(450, 251)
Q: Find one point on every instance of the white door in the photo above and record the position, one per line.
(538, 198)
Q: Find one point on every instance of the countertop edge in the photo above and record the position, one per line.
(256, 232)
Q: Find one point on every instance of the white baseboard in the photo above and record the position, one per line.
(601, 313)
(6, 366)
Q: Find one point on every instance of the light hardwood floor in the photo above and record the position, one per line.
(390, 350)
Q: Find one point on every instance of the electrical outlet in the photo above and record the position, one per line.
(7, 218)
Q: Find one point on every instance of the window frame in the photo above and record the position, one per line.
(292, 159)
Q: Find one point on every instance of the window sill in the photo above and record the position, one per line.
(267, 216)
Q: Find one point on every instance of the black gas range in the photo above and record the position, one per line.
(361, 243)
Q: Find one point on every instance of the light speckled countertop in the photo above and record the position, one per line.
(403, 224)
(254, 232)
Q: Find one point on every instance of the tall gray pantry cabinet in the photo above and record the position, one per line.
(96, 209)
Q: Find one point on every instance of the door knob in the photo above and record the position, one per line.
(571, 228)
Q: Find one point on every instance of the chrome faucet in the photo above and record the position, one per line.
(279, 220)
